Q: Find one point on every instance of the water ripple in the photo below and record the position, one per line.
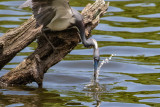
(121, 19)
(157, 15)
(141, 4)
(107, 27)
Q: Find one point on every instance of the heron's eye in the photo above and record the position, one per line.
(97, 58)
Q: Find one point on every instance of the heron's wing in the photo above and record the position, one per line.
(43, 11)
(28, 3)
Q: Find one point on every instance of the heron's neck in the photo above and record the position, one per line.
(95, 44)
(88, 42)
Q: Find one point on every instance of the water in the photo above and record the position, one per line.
(130, 29)
(106, 60)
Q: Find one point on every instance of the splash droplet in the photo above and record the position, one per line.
(106, 60)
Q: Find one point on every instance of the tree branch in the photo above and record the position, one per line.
(32, 69)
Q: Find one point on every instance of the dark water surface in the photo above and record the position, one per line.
(130, 29)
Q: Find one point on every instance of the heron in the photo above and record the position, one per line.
(57, 15)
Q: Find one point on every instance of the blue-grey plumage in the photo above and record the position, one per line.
(57, 15)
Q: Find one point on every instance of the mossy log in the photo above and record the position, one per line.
(32, 69)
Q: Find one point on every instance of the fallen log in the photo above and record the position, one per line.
(44, 56)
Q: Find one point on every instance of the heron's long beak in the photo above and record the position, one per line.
(96, 62)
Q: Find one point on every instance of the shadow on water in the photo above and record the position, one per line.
(130, 29)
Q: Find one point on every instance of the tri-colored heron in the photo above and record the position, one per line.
(57, 15)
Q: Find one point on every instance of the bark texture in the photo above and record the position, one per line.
(32, 69)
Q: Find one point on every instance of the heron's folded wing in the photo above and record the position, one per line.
(43, 11)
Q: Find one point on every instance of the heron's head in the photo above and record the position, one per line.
(96, 57)
(96, 63)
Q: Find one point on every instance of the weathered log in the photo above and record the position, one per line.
(15, 40)
(32, 69)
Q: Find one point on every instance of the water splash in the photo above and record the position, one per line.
(101, 64)
(94, 85)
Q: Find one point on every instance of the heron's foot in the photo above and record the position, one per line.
(46, 29)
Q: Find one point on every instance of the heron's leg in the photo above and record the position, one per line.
(43, 32)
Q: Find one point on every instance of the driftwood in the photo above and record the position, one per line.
(32, 69)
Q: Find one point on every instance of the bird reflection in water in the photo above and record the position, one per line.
(94, 90)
